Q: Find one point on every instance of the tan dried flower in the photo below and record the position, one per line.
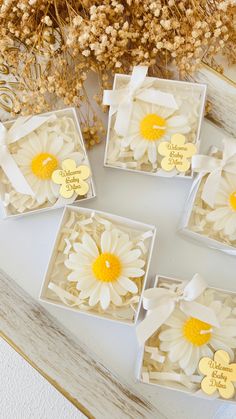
(74, 38)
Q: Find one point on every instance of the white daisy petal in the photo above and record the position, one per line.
(123, 247)
(140, 150)
(174, 322)
(81, 259)
(105, 297)
(133, 272)
(177, 350)
(217, 214)
(127, 284)
(127, 140)
(32, 147)
(95, 294)
(217, 344)
(139, 263)
(102, 282)
(131, 256)
(119, 289)
(170, 334)
(55, 146)
(84, 294)
(106, 242)
(206, 351)
(85, 282)
(90, 245)
(230, 225)
(177, 121)
(193, 361)
(184, 361)
(152, 152)
(115, 297)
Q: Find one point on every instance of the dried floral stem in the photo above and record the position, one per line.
(70, 38)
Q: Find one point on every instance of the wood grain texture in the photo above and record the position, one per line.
(65, 361)
(221, 94)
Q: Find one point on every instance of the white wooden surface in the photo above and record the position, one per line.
(221, 95)
(65, 361)
(25, 394)
(25, 248)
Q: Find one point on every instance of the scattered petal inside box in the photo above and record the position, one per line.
(172, 354)
(99, 266)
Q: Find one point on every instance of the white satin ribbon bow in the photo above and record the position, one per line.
(21, 127)
(213, 166)
(161, 302)
(121, 100)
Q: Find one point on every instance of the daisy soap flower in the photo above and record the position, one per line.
(210, 214)
(32, 149)
(100, 264)
(146, 111)
(186, 322)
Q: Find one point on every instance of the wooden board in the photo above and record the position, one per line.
(65, 361)
(221, 94)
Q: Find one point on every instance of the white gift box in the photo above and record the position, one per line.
(79, 146)
(188, 227)
(173, 380)
(54, 276)
(125, 159)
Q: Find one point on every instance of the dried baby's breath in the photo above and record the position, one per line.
(51, 47)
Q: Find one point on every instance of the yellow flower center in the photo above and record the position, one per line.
(107, 267)
(43, 165)
(152, 127)
(232, 200)
(197, 332)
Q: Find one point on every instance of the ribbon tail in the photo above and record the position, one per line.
(199, 311)
(14, 174)
(138, 76)
(24, 126)
(153, 321)
(210, 187)
(123, 118)
(158, 97)
(194, 288)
